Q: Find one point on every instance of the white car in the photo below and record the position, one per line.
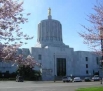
(77, 79)
(67, 79)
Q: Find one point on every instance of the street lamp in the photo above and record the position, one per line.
(90, 75)
(41, 70)
(2, 76)
(54, 67)
(71, 75)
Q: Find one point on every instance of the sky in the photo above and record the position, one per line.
(71, 13)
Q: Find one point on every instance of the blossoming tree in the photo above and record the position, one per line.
(93, 36)
(11, 16)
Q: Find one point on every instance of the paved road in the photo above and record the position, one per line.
(43, 86)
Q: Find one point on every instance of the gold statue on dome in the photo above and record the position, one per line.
(49, 11)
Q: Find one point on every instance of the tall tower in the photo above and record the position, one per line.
(49, 32)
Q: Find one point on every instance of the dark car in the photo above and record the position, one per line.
(87, 79)
(19, 79)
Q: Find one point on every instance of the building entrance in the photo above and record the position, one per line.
(61, 66)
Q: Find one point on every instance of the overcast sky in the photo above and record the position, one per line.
(71, 14)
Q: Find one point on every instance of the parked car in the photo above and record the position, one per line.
(19, 79)
(77, 79)
(96, 78)
(87, 79)
(67, 79)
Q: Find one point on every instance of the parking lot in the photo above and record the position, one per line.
(44, 85)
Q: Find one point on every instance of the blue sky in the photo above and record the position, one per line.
(71, 14)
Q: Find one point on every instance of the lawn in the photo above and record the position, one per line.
(91, 89)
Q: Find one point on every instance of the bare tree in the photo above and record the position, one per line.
(11, 16)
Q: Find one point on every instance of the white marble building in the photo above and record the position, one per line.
(58, 59)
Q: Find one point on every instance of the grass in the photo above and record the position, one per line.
(91, 89)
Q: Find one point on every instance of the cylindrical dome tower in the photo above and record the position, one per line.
(50, 32)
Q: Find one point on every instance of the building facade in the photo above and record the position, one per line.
(56, 58)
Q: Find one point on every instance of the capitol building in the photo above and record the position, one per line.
(58, 59)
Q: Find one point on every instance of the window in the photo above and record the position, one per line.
(86, 71)
(86, 65)
(1, 59)
(39, 57)
(97, 60)
(86, 58)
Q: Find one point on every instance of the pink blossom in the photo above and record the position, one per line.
(11, 17)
